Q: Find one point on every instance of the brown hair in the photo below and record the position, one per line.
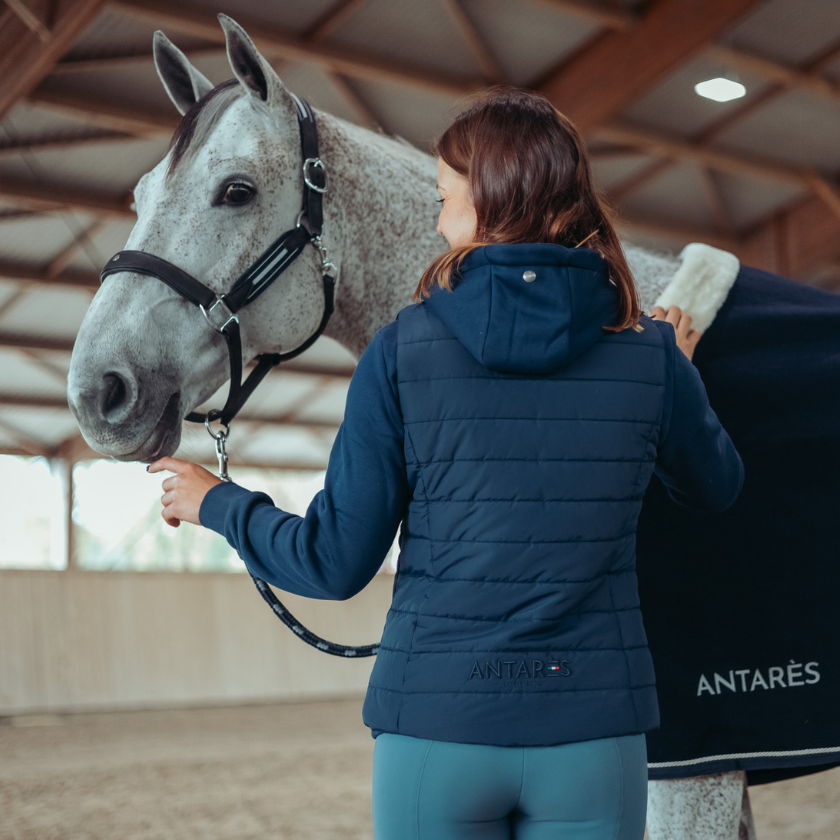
(530, 181)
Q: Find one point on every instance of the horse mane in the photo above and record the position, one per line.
(201, 118)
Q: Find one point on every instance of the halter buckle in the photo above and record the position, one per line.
(222, 318)
(317, 162)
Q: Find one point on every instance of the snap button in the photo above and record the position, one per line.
(529, 276)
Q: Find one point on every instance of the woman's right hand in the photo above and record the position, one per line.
(687, 338)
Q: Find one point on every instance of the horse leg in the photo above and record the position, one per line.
(746, 828)
(700, 808)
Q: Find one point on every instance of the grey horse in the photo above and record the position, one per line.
(144, 357)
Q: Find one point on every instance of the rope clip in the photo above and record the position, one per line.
(220, 438)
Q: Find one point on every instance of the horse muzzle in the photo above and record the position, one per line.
(117, 420)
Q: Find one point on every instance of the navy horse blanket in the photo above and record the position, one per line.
(741, 608)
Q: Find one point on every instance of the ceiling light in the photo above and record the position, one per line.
(720, 89)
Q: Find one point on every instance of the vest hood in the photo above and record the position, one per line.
(511, 325)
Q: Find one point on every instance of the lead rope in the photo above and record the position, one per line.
(350, 651)
(220, 438)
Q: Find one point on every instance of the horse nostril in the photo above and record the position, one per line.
(113, 394)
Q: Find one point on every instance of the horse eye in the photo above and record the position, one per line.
(237, 194)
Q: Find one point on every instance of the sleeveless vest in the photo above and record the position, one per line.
(515, 618)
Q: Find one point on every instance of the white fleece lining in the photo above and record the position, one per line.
(701, 283)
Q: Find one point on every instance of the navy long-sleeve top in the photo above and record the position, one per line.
(334, 551)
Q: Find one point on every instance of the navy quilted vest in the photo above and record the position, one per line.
(530, 438)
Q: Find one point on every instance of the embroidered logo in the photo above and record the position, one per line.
(520, 673)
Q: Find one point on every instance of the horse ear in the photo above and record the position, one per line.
(184, 84)
(254, 73)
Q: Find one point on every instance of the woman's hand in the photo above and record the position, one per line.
(184, 491)
(687, 338)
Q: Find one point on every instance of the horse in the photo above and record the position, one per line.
(141, 362)
(230, 183)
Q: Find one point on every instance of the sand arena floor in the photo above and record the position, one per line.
(291, 771)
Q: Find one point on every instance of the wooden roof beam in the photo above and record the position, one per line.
(122, 123)
(31, 275)
(601, 80)
(322, 28)
(827, 191)
(671, 230)
(723, 219)
(31, 20)
(104, 63)
(68, 142)
(75, 449)
(85, 453)
(48, 196)
(17, 452)
(608, 15)
(794, 241)
(39, 402)
(111, 116)
(330, 20)
(65, 345)
(16, 297)
(26, 58)
(621, 190)
(273, 40)
(491, 69)
(672, 147)
(370, 119)
(786, 75)
(62, 260)
(30, 447)
(36, 342)
(50, 368)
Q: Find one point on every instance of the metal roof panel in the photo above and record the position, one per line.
(673, 105)
(46, 426)
(37, 239)
(676, 194)
(797, 128)
(22, 376)
(417, 33)
(793, 31)
(611, 171)
(107, 167)
(750, 199)
(529, 37)
(55, 310)
(116, 32)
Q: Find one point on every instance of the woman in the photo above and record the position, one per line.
(510, 421)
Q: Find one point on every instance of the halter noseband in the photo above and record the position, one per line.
(220, 310)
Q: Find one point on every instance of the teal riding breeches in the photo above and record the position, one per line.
(437, 790)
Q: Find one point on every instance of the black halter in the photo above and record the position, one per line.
(220, 310)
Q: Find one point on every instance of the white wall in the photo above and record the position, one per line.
(73, 641)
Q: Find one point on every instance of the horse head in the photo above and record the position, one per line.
(229, 185)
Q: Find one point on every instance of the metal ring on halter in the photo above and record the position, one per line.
(320, 164)
(212, 415)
